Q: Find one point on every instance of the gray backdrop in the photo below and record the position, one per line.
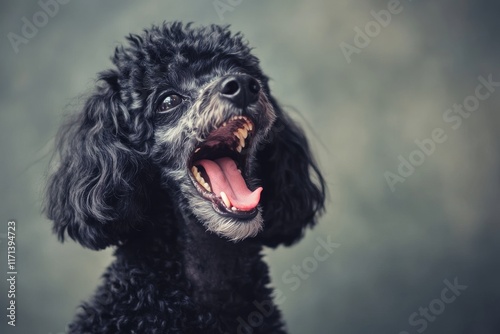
(367, 99)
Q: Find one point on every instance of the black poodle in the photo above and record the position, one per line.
(183, 161)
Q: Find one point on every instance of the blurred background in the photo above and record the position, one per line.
(368, 80)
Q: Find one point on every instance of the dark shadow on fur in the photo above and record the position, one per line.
(294, 189)
(100, 189)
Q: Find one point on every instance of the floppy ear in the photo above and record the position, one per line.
(294, 189)
(99, 189)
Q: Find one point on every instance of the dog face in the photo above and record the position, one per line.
(187, 112)
(207, 132)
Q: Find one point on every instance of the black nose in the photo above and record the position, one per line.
(242, 90)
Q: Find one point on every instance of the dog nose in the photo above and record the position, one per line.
(242, 90)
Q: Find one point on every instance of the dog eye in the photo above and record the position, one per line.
(170, 102)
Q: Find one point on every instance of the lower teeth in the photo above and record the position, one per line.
(200, 179)
(225, 199)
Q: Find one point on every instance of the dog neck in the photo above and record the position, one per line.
(219, 270)
(226, 281)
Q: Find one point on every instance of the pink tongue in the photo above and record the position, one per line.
(224, 176)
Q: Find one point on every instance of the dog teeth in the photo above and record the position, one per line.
(200, 179)
(243, 133)
(234, 208)
(207, 187)
(239, 136)
(225, 199)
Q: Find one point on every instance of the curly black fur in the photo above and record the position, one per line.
(123, 181)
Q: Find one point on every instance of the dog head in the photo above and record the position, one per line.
(186, 113)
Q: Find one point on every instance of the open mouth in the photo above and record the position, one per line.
(218, 169)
